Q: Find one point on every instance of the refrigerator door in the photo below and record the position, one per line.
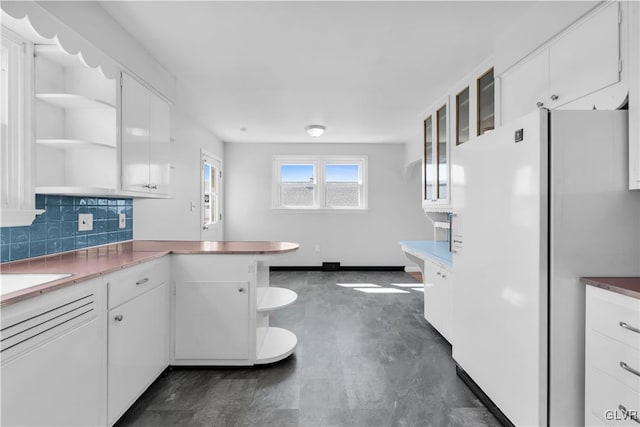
(500, 291)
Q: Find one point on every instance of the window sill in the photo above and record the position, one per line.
(321, 211)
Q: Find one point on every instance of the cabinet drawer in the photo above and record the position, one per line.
(614, 315)
(130, 282)
(607, 354)
(605, 396)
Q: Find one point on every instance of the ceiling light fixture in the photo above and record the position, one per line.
(315, 130)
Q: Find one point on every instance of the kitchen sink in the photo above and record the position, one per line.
(12, 282)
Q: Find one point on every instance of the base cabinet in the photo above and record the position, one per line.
(438, 298)
(53, 359)
(138, 337)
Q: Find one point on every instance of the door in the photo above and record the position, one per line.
(211, 197)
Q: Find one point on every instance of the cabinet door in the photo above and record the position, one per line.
(438, 299)
(523, 87)
(159, 145)
(586, 59)
(212, 320)
(138, 347)
(428, 168)
(442, 154)
(135, 135)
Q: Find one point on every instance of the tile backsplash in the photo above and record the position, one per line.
(56, 230)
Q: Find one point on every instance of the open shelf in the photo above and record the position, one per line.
(58, 55)
(69, 144)
(278, 344)
(273, 298)
(72, 101)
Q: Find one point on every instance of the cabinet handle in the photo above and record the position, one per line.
(554, 97)
(444, 276)
(240, 290)
(539, 104)
(146, 186)
(154, 186)
(629, 369)
(118, 318)
(629, 327)
(627, 415)
(142, 281)
(439, 274)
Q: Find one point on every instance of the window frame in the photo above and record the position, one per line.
(319, 163)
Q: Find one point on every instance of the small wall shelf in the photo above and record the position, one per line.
(278, 344)
(273, 298)
(70, 144)
(70, 101)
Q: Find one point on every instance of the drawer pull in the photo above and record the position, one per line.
(628, 415)
(118, 318)
(142, 281)
(629, 327)
(629, 369)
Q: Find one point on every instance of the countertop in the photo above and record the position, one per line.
(437, 250)
(88, 263)
(629, 286)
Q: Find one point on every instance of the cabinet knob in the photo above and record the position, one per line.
(539, 104)
(554, 97)
(154, 186)
(118, 318)
(444, 276)
(439, 274)
(146, 186)
(240, 289)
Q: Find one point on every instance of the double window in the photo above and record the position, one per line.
(320, 182)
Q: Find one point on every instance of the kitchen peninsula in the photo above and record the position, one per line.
(129, 310)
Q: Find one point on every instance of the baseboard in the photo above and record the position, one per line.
(475, 388)
(412, 269)
(341, 268)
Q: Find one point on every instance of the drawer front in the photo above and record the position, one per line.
(614, 358)
(614, 315)
(130, 282)
(611, 401)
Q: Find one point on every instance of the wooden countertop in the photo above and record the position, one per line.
(85, 264)
(629, 286)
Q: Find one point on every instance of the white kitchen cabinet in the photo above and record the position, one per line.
(17, 159)
(438, 298)
(579, 62)
(145, 139)
(53, 358)
(612, 358)
(634, 96)
(222, 305)
(138, 331)
(213, 295)
(75, 116)
(436, 155)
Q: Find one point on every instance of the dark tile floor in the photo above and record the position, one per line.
(362, 360)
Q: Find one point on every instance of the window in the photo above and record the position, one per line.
(211, 175)
(319, 182)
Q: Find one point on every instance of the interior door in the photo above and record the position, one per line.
(211, 198)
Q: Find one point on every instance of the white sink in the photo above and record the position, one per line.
(12, 282)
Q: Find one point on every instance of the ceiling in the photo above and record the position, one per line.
(365, 70)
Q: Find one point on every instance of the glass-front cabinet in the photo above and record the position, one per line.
(486, 102)
(462, 116)
(436, 158)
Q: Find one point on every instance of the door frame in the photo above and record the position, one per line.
(204, 155)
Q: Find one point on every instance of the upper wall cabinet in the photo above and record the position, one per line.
(17, 196)
(435, 169)
(145, 139)
(582, 60)
(75, 116)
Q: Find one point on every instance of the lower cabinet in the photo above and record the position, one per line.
(138, 335)
(438, 298)
(212, 309)
(53, 359)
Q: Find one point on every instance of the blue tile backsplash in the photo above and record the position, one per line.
(56, 230)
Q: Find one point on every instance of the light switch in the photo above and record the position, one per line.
(122, 221)
(85, 222)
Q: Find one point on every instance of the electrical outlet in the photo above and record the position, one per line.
(122, 221)
(85, 222)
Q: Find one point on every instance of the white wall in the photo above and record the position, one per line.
(173, 219)
(353, 239)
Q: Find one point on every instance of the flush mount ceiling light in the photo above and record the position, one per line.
(315, 130)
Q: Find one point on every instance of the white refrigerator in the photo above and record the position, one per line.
(538, 203)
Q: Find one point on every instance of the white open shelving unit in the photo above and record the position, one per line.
(76, 125)
(272, 343)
